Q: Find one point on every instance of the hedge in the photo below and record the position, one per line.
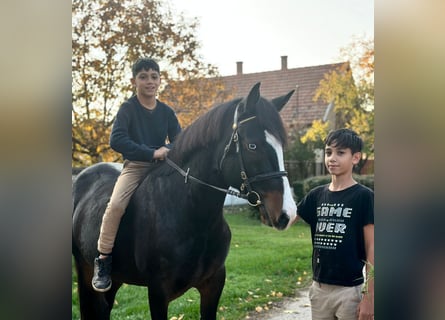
(302, 187)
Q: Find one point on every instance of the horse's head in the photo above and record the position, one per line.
(256, 148)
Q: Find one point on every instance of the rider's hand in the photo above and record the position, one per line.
(161, 153)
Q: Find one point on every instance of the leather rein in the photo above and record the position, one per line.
(247, 193)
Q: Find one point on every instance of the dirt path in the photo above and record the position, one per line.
(294, 308)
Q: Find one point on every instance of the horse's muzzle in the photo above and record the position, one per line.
(283, 221)
(279, 223)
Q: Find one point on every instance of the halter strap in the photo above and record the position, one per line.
(234, 136)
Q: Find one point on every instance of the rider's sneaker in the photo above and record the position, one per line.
(102, 270)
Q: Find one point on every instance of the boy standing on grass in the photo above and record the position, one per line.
(341, 217)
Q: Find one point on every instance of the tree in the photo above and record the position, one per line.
(107, 37)
(194, 95)
(316, 135)
(299, 159)
(351, 89)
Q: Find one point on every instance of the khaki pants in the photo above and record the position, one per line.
(330, 302)
(127, 182)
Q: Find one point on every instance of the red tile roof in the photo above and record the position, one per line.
(301, 110)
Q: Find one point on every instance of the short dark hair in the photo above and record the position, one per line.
(344, 138)
(144, 64)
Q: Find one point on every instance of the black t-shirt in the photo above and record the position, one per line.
(337, 219)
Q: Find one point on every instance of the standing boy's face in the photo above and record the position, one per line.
(340, 161)
(147, 83)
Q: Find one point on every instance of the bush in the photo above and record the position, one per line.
(298, 187)
(366, 180)
(302, 187)
(311, 183)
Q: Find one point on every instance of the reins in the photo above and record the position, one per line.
(187, 176)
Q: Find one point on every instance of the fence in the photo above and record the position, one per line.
(299, 169)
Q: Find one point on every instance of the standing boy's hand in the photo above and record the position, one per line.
(366, 307)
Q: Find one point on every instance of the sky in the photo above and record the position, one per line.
(259, 32)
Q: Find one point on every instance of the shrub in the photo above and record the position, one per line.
(298, 187)
(302, 187)
(366, 180)
(311, 183)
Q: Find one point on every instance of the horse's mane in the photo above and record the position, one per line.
(212, 125)
(204, 130)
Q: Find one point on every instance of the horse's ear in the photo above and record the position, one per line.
(252, 97)
(280, 102)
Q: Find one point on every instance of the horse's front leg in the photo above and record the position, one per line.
(210, 291)
(158, 304)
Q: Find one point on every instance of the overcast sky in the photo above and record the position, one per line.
(259, 32)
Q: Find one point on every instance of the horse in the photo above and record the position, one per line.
(173, 236)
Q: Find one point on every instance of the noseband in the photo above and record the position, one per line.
(252, 197)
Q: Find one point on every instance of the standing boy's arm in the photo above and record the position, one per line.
(296, 218)
(366, 306)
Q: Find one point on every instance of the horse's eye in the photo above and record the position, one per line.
(251, 146)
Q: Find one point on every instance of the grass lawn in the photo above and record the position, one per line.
(263, 265)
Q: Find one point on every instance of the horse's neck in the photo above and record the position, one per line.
(204, 166)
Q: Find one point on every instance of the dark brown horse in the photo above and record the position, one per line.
(173, 236)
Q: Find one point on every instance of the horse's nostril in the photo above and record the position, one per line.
(283, 221)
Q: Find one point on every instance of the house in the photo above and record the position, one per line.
(301, 110)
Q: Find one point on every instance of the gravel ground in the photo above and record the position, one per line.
(294, 308)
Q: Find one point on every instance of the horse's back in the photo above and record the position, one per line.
(97, 176)
(92, 189)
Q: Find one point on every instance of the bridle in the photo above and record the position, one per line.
(252, 197)
(248, 193)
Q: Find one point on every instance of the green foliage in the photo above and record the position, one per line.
(302, 187)
(299, 158)
(316, 134)
(312, 182)
(338, 86)
(351, 89)
(298, 150)
(366, 180)
(263, 266)
(299, 190)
